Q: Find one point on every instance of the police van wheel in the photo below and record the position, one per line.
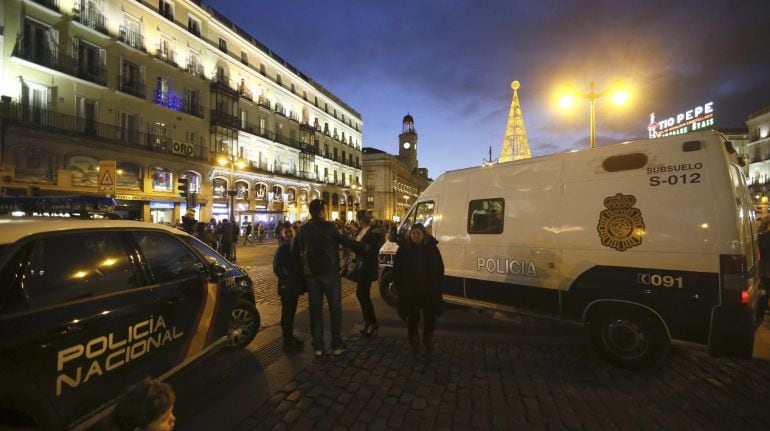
(388, 289)
(245, 325)
(628, 338)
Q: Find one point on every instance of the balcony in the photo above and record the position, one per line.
(166, 55)
(223, 82)
(195, 69)
(90, 18)
(91, 72)
(55, 122)
(192, 108)
(132, 86)
(44, 56)
(244, 92)
(264, 102)
(224, 119)
(131, 38)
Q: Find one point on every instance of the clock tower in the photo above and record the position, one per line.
(407, 144)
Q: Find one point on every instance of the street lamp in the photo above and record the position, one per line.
(233, 161)
(619, 96)
(406, 204)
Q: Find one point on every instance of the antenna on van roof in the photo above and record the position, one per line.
(489, 162)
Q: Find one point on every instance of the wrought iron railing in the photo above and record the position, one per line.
(132, 86)
(131, 38)
(55, 122)
(90, 18)
(42, 54)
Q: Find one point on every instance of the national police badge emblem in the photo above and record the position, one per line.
(621, 226)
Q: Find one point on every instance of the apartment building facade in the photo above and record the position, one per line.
(169, 90)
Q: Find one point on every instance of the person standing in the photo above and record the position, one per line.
(260, 231)
(247, 229)
(317, 248)
(189, 222)
(226, 236)
(419, 273)
(290, 286)
(374, 238)
(203, 233)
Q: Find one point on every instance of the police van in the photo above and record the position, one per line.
(644, 242)
(89, 307)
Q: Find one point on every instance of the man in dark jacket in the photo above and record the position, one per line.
(291, 285)
(317, 248)
(225, 231)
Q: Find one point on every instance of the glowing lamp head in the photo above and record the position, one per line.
(567, 101)
(222, 161)
(620, 97)
(240, 164)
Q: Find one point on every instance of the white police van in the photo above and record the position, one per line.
(645, 242)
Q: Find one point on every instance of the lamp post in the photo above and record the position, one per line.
(233, 161)
(619, 97)
(406, 204)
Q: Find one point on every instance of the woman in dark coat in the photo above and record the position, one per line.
(290, 285)
(372, 237)
(419, 272)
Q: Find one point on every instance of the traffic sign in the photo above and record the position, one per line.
(107, 176)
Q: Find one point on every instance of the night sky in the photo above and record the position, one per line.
(450, 64)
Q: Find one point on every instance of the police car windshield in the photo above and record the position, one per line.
(211, 256)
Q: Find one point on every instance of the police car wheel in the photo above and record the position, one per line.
(628, 338)
(388, 289)
(245, 325)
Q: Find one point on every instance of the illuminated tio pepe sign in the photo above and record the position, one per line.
(700, 117)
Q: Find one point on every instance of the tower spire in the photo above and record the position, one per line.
(515, 144)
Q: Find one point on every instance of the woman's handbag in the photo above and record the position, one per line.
(352, 270)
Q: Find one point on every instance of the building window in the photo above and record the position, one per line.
(292, 88)
(278, 78)
(194, 25)
(262, 69)
(244, 58)
(166, 9)
(222, 45)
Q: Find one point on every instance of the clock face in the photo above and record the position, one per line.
(407, 145)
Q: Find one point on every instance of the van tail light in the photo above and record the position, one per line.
(732, 269)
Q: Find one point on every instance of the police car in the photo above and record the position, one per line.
(88, 307)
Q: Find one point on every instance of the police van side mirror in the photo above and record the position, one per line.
(216, 272)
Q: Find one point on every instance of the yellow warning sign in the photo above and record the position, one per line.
(107, 178)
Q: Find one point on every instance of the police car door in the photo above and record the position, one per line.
(186, 304)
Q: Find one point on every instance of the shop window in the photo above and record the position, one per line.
(277, 193)
(260, 192)
(83, 170)
(33, 165)
(129, 176)
(219, 188)
(242, 190)
(161, 180)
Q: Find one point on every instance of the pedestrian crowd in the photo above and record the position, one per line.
(308, 261)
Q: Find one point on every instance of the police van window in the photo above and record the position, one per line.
(625, 162)
(167, 258)
(486, 216)
(422, 214)
(76, 265)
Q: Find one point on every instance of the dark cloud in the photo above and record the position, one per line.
(450, 63)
